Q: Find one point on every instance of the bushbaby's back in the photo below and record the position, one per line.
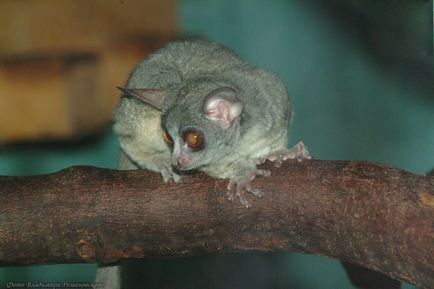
(181, 60)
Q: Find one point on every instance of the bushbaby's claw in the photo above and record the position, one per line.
(253, 191)
(243, 200)
(230, 193)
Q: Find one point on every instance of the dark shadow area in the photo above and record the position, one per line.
(206, 272)
(395, 34)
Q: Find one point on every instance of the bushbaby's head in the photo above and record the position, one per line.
(200, 122)
(202, 118)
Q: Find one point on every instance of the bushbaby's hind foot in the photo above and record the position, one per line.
(243, 184)
(298, 152)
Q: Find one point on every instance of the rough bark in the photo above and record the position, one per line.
(368, 214)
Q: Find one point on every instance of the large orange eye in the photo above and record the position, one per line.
(194, 139)
(167, 138)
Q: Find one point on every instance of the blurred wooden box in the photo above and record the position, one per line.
(60, 61)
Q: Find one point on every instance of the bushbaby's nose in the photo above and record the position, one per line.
(181, 163)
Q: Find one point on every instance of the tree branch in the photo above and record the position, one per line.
(368, 214)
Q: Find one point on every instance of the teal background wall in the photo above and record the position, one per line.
(350, 103)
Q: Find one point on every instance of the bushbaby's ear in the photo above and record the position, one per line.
(223, 106)
(150, 96)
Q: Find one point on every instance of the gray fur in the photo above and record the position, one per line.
(187, 71)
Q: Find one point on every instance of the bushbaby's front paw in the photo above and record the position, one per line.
(243, 184)
(169, 175)
(298, 152)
